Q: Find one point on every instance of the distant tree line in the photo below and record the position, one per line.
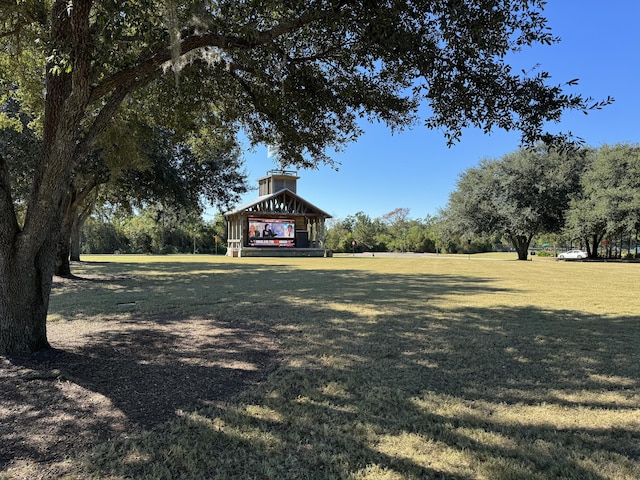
(156, 229)
(396, 232)
(542, 197)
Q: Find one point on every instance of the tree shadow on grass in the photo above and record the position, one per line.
(378, 381)
(471, 383)
(105, 379)
(509, 392)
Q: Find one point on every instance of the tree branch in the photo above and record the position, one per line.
(105, 115)
(145, 66)
(7, 211)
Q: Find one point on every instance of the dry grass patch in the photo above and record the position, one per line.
(389, 368)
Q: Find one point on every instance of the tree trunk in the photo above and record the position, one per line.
(76, 229)
(68, 248)
(592, 247)
(78, 205)
(28, 251)
(521, 244)
(63, 266)
(28, 255)
(523, 251)
(25, 281)
(89, 200)
(69, 206)
(75, 240)
(25, 285)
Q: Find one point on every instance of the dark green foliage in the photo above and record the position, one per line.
(20, 147)
(519, 196)
(153, 230)
(394, 231)
(102, 237)
(608, 203)
(187, 174)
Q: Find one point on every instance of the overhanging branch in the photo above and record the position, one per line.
(146, 66)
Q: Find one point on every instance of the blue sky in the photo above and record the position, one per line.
(415, 169)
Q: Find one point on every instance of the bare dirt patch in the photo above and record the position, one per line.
(106, 379)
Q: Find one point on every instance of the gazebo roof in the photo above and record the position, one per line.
(282, 202)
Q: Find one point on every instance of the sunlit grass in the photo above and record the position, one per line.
(392, 368)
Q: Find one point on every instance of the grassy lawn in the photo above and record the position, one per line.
(389, 368)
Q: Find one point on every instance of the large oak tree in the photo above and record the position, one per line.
(297, 73)
(519, 196)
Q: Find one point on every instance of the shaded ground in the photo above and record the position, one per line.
(103, 379)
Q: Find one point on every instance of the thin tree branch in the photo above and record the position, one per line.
(103, 118)
(146, 66)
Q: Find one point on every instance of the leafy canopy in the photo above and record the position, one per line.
(609, 199)
(296, 73)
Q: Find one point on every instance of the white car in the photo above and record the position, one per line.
(573, 254)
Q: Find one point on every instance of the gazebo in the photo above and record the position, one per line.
(279, 223)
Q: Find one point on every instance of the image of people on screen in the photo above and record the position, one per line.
(271, 232)
(267, 232)
(253, 233)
